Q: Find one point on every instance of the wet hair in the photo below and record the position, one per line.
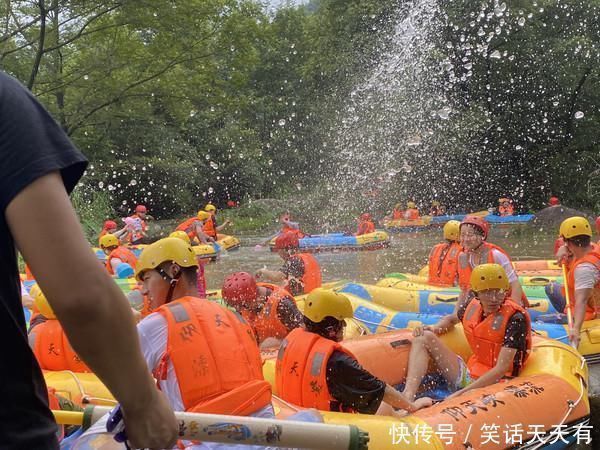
(319, 327)
(580, 241)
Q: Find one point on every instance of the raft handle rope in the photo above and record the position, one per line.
(85, 398)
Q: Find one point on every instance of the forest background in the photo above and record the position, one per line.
(180, 102)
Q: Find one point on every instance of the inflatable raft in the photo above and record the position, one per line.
(440, 220)
(406, 225)
(341, 242)
(550, 392)
(535, 268)
(422, 279)
(509, 220)
(425, 301)
(209, 252)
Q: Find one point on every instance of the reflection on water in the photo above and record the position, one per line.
(408, 253)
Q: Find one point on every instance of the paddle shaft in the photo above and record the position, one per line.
(568, 301)
(245, 430)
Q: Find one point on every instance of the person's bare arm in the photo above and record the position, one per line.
(517, 292)
(89, 305)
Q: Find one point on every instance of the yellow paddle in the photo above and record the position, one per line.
(568, 299)
(244, 430)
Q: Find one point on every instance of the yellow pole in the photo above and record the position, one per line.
(245, 430)
(568, 299)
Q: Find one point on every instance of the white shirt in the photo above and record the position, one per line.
(586, 276)
(502, 259)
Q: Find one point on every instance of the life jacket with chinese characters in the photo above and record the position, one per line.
(485, 336)
(443, 264)
(52, 348)
(592, 258)
(301, 370)
(215, 357)
(266, 323)
(285, 228)
(122, 253)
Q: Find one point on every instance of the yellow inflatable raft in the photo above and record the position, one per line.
(551, 391)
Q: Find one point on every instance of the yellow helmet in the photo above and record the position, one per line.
(435, 203)
(203, 215)
(322, 303)
(398, 206)
(210, 207)
(575, 226)
(452, 230)
(165, 250)
(411, 205)
(179, 234)
(489, 276)
(34, 290)
(109, 240)
(41, 303)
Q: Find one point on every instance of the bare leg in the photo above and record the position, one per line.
(424, 349)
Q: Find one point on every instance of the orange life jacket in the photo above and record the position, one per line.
(188, 226)
(312, 272)
(593, 258)
(412, 214)
(397, 214)
(216, 359)
(485, 335)
(301, 369)
(52, 348)
(210, 227)
(285, 228)
(266, 323)
(443, 264)
(465, 269)
(506, 210)
(365, 227)
(124, 254)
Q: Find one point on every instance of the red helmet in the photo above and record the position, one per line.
(239, 289)
(478, 222)
(110, 225)
(364, 217)
(286, 241)
(554, 201)
(140, 209)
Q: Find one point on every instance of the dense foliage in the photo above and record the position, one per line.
(175, 102)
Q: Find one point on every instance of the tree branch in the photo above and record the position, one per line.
(40, 50)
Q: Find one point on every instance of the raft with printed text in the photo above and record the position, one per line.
(341, 242)
(549, 395)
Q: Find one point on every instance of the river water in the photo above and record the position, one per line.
(408, 252)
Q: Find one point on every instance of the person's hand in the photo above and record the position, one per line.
(562, 254)
(151, 425)
(574, 337)
(423, 402)
(420, 330)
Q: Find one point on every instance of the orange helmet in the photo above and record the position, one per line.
(286, 241)
(110, 225)
(554, 201)
(239, 289)
(364, 217)
(478, 222)
(141, 209)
